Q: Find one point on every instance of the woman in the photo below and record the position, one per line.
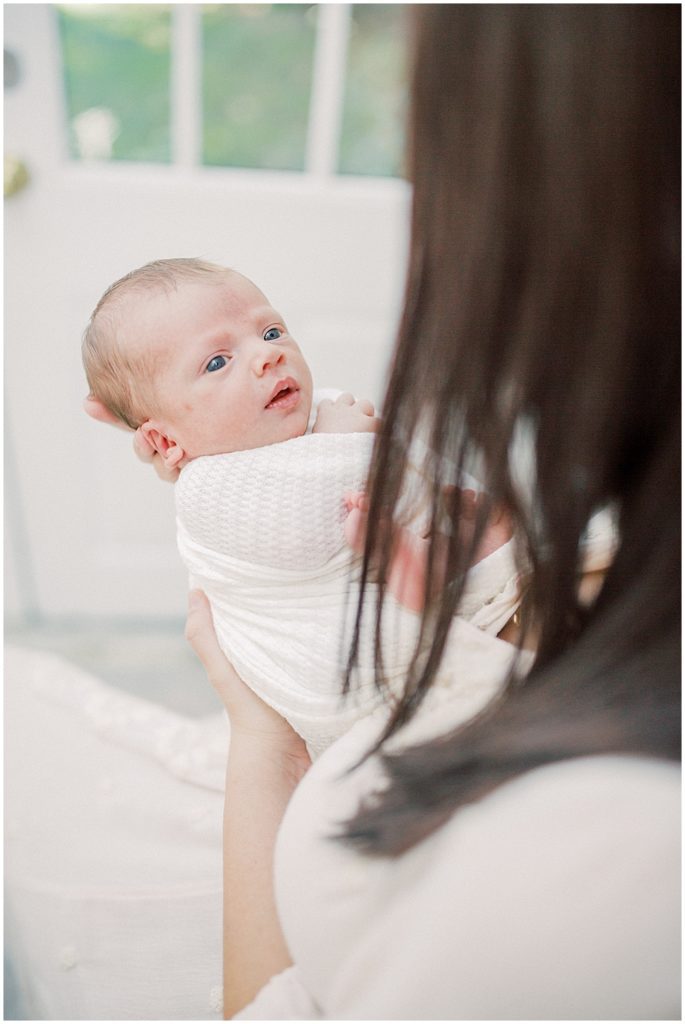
(523, 864)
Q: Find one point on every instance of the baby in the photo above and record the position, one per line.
(195, 356)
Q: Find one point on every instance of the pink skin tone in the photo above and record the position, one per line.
(406, 578)
(229, 376)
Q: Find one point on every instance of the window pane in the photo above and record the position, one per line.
(257, 71)
(116, 70)
(373, 130)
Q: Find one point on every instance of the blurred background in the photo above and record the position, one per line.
(268, 137)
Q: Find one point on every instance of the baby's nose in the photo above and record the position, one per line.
(268, 355)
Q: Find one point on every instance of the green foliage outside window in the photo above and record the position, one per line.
(257, 74)
(257, 63)
(116, 75)
(376, 90)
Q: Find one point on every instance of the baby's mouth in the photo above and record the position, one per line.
(284, 394)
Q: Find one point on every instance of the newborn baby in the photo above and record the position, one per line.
(195, 355)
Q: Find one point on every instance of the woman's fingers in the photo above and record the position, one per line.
(142, 447)
(356, 499)
(407, 570)
(354, 527)
(407, 575)
(147, 453)
(241, 703)
(201, 636)
(99, 411)
(248, 713)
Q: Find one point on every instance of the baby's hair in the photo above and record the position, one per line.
(121, 380)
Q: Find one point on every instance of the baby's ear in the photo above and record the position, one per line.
(164, 445)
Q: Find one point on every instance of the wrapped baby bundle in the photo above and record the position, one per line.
(261, 532)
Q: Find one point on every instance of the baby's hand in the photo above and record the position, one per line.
(346, 415)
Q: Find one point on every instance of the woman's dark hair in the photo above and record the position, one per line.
(542, 300)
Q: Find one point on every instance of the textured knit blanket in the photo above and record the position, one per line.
(261, 532)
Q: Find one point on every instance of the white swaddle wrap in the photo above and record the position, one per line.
(261, 532)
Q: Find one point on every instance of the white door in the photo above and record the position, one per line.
(89, 531)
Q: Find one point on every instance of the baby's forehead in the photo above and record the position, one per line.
(241, 291)
(144, 305)
(235, 290)
(144, 316)
(136, 319)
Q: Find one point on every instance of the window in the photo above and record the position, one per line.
(257, 77)
(117, 61)
(263, 72)
(376, 91)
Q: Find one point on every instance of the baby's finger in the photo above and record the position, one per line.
(345, 399)
(366, 406)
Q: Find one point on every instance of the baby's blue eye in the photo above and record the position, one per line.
(216, 363)
(273, 334)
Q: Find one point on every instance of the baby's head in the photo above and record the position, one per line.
(194, 354)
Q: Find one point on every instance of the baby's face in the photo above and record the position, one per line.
(229, 375)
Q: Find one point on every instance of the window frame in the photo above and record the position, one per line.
(325, 118)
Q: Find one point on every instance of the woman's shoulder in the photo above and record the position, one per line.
(573, 823)
(556, 894)
(577, 867)
(609, 786)
(612, 799)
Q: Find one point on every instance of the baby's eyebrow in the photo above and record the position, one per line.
(211, 340)
(269, 313)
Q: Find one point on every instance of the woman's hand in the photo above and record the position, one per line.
(141, 446)
(409, 558)
(249, 714)
(97, 410)
(146, 453)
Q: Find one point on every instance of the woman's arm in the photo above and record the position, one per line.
(259, 784)
(266, 761)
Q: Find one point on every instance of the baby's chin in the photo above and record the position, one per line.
(284, 431)
(295, 425)
(265, 434)
(300, 427)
